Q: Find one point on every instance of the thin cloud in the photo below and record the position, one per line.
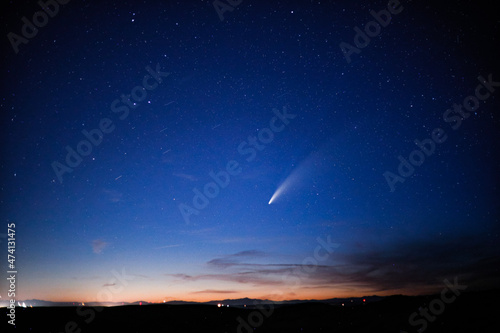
(182, 276)
(141, 276)
(249, 253)
(202, 231)
(167, 246)
(98, 246)
(233, 259)
(239, 240)
(185, 176)
(213, 291)
(113, 196)
(85, 278)
(416, 267)
(242, 277)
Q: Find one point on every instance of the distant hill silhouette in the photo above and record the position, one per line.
(239, 302)
(470, 312)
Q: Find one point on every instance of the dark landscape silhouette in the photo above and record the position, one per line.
(471, 312)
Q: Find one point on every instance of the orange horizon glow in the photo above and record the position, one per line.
(273, 295)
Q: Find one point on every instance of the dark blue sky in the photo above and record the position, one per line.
(128, 205)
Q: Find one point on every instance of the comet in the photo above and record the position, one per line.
(297, 178)
(292, 181)
(301, 177)
(276, 194)
(285, 185)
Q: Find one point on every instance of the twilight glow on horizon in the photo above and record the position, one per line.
(152, 152)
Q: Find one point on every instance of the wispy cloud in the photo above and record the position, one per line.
(85, 278)
(182, 276)
(185, 176)
(230, 240)
(201, 231)
(252, 240)
(213, 291)
(112, 195)
(417, 264)
(167, 246)
(249, 253)
(233, 259)
(141, 276)
(242, 277)
(98, 245)
(411, 267)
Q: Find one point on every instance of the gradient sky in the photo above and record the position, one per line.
(118, 212)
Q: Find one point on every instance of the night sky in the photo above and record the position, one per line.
(200, 158)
